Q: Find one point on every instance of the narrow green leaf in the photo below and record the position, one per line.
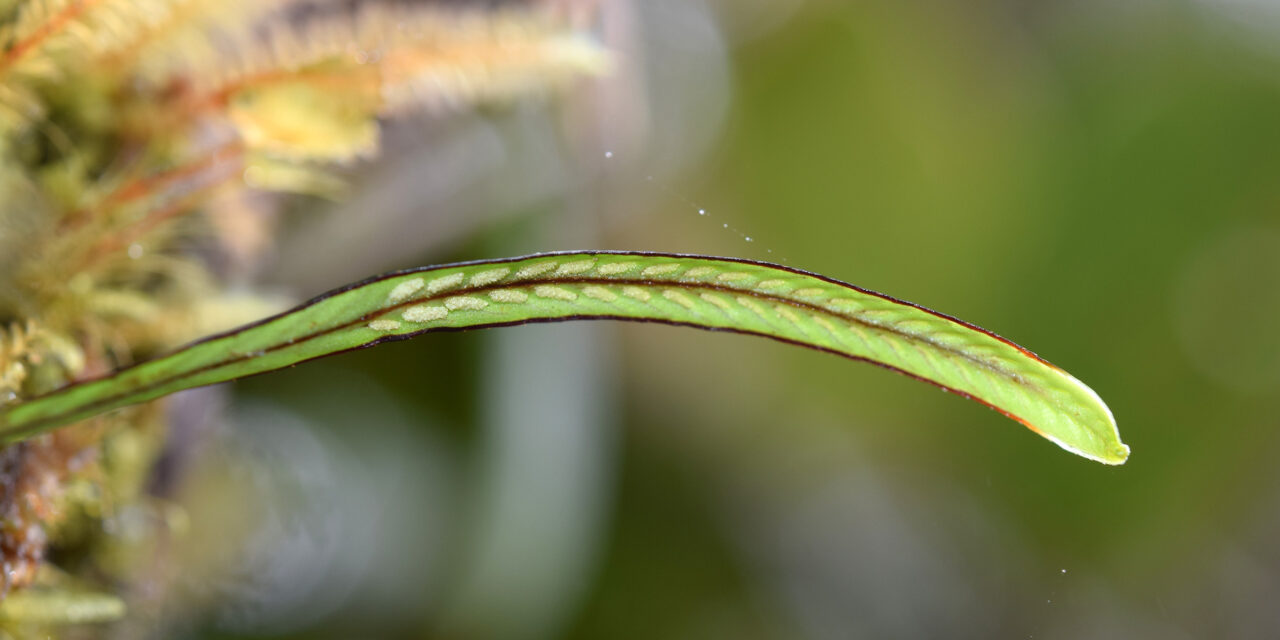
(718, 294)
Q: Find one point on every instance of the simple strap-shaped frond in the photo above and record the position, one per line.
(718, 294)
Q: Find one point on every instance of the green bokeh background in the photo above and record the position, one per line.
(1100, 184)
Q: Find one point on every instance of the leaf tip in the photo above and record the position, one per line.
(1103, 445)
(1111, 451)
(1116, 455)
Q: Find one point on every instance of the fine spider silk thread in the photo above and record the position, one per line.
(686, 203)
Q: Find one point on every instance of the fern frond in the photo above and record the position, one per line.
(313, 89)
(410, 39)
(53, 40)
(185, 30)
(47, 39)
(42, 30)
(124, 123)
(45, 30)
(465, 60)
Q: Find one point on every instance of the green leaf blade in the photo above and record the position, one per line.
(708, 293)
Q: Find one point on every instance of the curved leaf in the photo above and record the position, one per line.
(718, 294)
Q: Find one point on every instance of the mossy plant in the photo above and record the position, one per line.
(125, 126)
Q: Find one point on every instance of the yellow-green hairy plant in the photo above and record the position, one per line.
(136, 138)
(718, 294)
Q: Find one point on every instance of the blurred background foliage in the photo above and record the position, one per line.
(1097, 181)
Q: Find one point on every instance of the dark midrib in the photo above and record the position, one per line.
(700, 286)
(368, 317)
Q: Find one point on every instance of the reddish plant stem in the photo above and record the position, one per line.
(135, 231)
(55, 24)
(148, 185)
(151, 184)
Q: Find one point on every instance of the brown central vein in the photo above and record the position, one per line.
(365, 318)
(694, 286)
